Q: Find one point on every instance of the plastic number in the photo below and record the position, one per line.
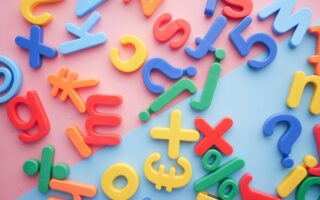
(244, 47)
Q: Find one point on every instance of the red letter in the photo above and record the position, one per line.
(243, 8)
(96, 119)
(171, 30)
(316, 170)
(38, 116)
(249, 194)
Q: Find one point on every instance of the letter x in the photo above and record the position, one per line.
(35, 47)
(213, 136)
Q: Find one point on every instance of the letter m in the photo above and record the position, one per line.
(284, 21)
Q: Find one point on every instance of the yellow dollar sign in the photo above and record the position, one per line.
(170, 180)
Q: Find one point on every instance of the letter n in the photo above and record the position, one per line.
(300, 80)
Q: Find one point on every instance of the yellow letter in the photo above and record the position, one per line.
(296, 176)
(136, 61)
(300, 80)
(120, 169)
(27, 7)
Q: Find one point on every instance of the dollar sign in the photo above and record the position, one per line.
(170, 180)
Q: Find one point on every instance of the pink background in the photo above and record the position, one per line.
(117, 19)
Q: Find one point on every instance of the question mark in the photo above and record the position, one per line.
(168, 70)
(288, 138)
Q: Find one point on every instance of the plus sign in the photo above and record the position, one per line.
(175, 134)
(35, 47)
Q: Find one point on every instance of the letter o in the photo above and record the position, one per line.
(115, 171)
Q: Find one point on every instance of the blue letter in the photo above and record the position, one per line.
(83, 7)
(205, 45)
(86, 39)
(300, 21)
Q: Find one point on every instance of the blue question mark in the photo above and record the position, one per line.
(168, 70)
(288, 138)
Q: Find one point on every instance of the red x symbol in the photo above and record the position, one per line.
(213, 136)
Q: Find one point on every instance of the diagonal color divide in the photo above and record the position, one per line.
(247, 96)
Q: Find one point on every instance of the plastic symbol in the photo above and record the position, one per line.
(172, 29)
(159, 64)
(148, 6)
(289, 137)
(211, 83)
(205, 196)
(296, 176)
(210, 7)
(12, 79)
(170, 180)
(27, 8)
(83, 7)
(299, 83)
(76, 189)
(136, 61)
(35, 46)
(77, 138)
(249, 194)
(38, 117)
(179, 87)
(305, 186)
(219, 174)
(175, 134)
(120, 170)
(46, 168)
(315, 59)
(68, 86)
(244, 46)
(286, 20)
(316, 170)
(85, 39)
(213, 137)
(206, 45)
(102, 119)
